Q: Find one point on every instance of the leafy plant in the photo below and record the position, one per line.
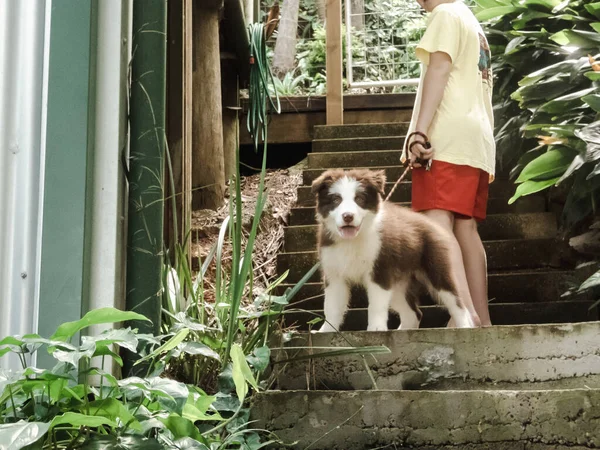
(546, 96)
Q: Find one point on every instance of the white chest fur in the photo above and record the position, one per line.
(353, 259)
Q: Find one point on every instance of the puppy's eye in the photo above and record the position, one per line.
(336, 199)
(360, 200)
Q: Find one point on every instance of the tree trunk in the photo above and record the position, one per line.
(358, 10)
(285, 47)
(321, 10)
(208, 172)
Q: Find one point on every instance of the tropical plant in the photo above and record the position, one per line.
(76, 404)
(546, 96)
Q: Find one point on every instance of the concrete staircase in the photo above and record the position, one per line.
(511, 386)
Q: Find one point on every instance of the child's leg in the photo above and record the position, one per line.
(446, 220)
(475, 264)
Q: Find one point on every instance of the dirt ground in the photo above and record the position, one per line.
(281, 187)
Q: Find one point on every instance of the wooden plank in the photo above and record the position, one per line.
(298, 128)
(174, 127)
(186, 193)
(351, 102)
(333, 62)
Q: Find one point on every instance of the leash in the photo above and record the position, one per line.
(425, 143)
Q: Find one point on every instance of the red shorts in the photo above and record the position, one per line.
(450, 187)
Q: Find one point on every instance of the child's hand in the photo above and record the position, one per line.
(419, 152)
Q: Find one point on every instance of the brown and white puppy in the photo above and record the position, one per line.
(381, 246)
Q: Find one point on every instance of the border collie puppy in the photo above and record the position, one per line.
(365, 241)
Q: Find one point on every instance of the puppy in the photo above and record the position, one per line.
(363, 240)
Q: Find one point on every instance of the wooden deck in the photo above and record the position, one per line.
(299, 115)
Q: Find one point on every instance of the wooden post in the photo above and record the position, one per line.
(230, 94)
(179, 125)
(335, 99)
(208, 170)
(187, 156)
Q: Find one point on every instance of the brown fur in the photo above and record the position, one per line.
(411, 243)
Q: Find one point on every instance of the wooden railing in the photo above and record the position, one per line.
(335, 98)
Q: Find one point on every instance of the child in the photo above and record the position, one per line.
(453, 112)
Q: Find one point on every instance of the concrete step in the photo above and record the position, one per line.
(361, 130)
(505, 287)
(305, 215)
(499, 226)
(437, 316)
(499, 357)
(502, 255)
(391, 172)
(355, 144)
(354, 159)
(499, 189)
(357, 420)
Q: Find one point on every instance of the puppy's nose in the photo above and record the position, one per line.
(348, 217)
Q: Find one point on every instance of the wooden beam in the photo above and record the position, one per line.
(298, 128)
(335, 103)
(187, 152)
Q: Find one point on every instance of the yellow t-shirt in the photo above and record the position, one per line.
(462, 130)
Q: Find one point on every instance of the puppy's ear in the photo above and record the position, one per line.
(379, 180)
(323, 181)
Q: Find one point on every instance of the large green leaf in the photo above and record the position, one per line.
(593, 101)
(497, 11)
(577, 38)
(172, 343)
(594, 76)
(591, 282)
(113, 410)
(181, 428)
(594, 9)
(549, 165)
(566, 102)
(238, 374)
(563, 67)
(531, 187)
(95, 317)
(82, 420)
(15, 436)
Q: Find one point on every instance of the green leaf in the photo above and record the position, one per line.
(594, 76)
(81, 420)
(198, 348)
(260, 358)
(171, 394)
(548, 165)
(187, 443)
(113, 410)
(593, 101)
(590, 283)
(15, 436)
(594, 9)
(531, 187)
(95, 317)
(181, 427)
(123, 337)
(241, 372)
(577, 38)
(127, 442)
(167, 346)
(491, 13)
(566, 102)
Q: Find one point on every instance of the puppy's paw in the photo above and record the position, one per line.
(377, 327)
